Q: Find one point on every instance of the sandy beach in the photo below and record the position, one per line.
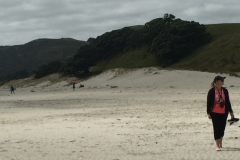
(141, 114)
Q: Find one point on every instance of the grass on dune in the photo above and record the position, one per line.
(138, 58)
(222, 54)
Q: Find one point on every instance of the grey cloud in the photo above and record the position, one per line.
(23, 21)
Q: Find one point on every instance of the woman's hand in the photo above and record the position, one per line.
(209, 116)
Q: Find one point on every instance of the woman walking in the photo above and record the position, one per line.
(73, 86)
(218, 107)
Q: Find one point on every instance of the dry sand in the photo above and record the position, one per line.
(144, 114)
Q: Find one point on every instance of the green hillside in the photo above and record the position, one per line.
(221, 54)
(159, 42)
(166, 42)
(20, 59)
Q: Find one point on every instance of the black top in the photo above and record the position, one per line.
(211, 97)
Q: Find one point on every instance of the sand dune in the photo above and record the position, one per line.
(121, 114)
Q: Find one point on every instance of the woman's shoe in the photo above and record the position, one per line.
(233, 120)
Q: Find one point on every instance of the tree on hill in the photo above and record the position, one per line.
(168, 19)
(51, 67)
(105, 46)
(90, 39)
(177, 40)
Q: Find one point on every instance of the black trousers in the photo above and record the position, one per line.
(219, 123)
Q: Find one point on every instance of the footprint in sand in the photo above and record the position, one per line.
(4, 151)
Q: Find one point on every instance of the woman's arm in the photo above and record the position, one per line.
(228, 104)
(210, 99)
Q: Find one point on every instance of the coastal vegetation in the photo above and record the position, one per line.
(160, 42)
(166, 42)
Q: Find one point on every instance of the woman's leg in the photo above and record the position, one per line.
(224, 122)
(217, 129)
(221, 142)
(218, 143)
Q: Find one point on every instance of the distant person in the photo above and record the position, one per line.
(12, 89)
(73, 86)
(218, 107)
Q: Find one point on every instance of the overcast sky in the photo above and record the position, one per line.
(22, 21)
